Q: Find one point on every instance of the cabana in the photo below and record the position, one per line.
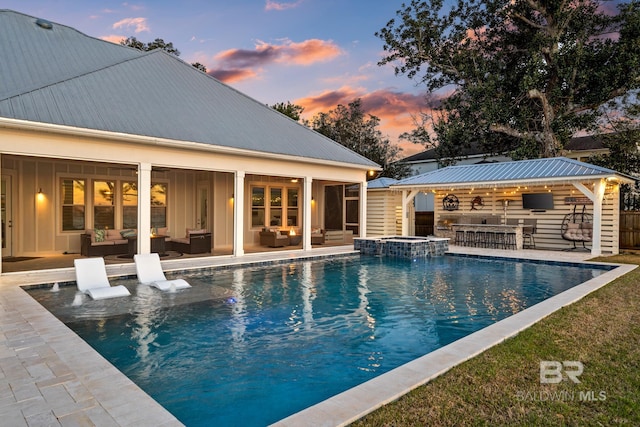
(554, 192)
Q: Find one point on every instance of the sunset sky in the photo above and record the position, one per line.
(314, 53)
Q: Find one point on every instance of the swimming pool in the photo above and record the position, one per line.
(298, 333)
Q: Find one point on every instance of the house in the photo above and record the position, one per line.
(95, 135)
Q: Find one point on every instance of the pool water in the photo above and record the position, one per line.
(250, 346)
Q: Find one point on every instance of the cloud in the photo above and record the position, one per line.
(396, 110)
(113, 38)
(139, 24)
(133, 6)
(231, 75)
(303, 53)
(274, 5)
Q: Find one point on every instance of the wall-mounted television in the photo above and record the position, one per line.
(537, 201)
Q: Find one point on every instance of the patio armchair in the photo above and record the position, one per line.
(273, 238)
(196, 241)
(317, 236)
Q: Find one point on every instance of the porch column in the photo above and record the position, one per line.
(306, 214)
(596, 197)
(363, 209)
(144, 208)
(238, 214)
(407, 197)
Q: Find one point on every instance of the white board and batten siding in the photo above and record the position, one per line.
(382, 218)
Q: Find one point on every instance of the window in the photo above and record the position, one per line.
(292, 207)
(257, 207)
(158, 205)
(129, 205)
(275, 205)
(73, 204)
(103, 206)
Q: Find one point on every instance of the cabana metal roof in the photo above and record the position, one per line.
(528, 172)
(381, 183)
(54, 74)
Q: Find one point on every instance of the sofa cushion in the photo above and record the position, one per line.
(113, 235)
(195, 231)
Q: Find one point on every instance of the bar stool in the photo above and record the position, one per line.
(490, 241)
(470, 238)
(481, 239)
(500, 241)
(459, 240)
(510, 241)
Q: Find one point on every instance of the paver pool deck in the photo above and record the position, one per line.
(49, 376)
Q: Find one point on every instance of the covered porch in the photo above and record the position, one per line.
(51, 201)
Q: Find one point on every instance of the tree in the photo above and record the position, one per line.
(288, 109)
(199, 66)
(622, 138)
(358, 131)
(531, 72)
(156, 44)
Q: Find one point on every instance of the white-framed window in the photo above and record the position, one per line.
(73, 204)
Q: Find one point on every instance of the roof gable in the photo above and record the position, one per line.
(98, 85)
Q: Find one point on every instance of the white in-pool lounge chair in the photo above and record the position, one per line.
(91, 278)
(150, 273)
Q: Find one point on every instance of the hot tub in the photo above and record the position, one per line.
(410, 247)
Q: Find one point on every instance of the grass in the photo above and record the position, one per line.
(502, 385)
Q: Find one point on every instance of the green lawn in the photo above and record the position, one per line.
(502, 385)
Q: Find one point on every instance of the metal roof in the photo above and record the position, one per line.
(61, 76)
(524, 171)
(381, 183)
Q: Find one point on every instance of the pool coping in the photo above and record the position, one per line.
(48, 375)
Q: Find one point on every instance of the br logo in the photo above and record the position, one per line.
(553, 372)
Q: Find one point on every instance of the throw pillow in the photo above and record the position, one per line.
(128, 233)
(100, 234)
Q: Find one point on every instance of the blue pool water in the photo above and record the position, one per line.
(249, 346)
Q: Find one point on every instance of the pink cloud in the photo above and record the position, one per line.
(304, 53)
(274, 5)
(396, 110)
(231, 75)
(113, 38)
(139, 24)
